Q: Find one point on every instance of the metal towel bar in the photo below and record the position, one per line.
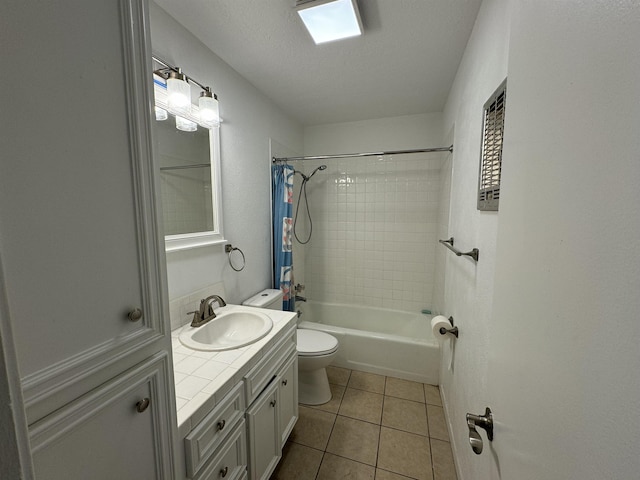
(449, 244)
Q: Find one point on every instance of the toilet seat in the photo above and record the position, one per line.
(312, 343)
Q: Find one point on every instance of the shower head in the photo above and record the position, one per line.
(307, 177)
(321, 167)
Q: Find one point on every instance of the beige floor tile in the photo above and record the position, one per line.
(332, 406)
(338, 375)
(432, 395)
(354, 439)
(406, 389)
(405, 415)
(362, 405)
(437, 424)
(298, 463)
(442, 458)
(313, 428)
(367, 381)
(334, 467)
(405, 453)
(384, 475)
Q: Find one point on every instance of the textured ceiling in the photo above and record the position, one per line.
(403, 64)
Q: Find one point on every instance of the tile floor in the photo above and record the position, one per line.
(375, 427)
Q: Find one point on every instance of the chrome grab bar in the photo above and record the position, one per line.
(475, 253)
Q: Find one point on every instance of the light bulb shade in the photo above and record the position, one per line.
(178, 93)
(161, 114)
(209, 111)
(185, 125)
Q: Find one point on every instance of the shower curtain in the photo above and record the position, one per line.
(282, 207)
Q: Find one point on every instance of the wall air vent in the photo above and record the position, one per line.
(491, 154)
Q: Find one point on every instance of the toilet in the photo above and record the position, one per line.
(316, 350)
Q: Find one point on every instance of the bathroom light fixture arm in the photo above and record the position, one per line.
(168, 66)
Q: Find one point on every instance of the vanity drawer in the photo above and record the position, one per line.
(259, 376)
(230, 461)
(207, 436)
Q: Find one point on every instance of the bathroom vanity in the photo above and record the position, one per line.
(236, 425)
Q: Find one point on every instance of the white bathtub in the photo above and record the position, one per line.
(376, 340)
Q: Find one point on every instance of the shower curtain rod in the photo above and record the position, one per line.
(368, 154)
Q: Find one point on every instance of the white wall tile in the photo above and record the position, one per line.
(377, 245)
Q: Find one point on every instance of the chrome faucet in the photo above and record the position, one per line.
(299, 298)
(206, 313)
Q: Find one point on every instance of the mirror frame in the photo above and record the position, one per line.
(187, 241)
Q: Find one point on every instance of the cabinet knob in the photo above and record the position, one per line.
(272, 403)
(221, 424)
(135, 315)
(223, 472)
(142, 405)
(284, 382)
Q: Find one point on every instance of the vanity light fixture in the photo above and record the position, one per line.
(173, 95)
(208, 104)
(178, 92)
(329, 20)
(161, 114)
(185, 125)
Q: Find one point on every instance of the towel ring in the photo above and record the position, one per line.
(230, 249)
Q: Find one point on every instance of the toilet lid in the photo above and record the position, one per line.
(314, 342)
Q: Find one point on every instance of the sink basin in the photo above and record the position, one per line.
(227, 331)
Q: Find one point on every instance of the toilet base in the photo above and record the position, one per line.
(313, 387)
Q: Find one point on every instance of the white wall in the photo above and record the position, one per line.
(565, 331)
(389, 133)
(375, 220)
(563, 387)
(250, 120)
(469, 286)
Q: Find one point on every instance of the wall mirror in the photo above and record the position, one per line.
(187, 154)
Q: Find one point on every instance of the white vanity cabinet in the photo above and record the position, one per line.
(273, 413)
(242, 435)
(271, 418)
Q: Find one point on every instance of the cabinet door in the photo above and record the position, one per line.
(264, 434)
(288, 397)
(118, 431)
(80, 244)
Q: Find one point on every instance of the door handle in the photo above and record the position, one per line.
(483, 421)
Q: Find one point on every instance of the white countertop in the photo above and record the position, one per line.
(202, 379)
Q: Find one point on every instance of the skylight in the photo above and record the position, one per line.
(329, 20)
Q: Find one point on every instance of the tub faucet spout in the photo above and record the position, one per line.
(300, 298)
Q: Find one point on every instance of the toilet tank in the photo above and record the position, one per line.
(269, 298)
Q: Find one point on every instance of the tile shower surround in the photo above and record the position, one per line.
(375, 226)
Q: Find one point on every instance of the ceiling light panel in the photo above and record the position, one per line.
(330, 20)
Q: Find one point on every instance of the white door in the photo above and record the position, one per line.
(563, 377)
(80, 244)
